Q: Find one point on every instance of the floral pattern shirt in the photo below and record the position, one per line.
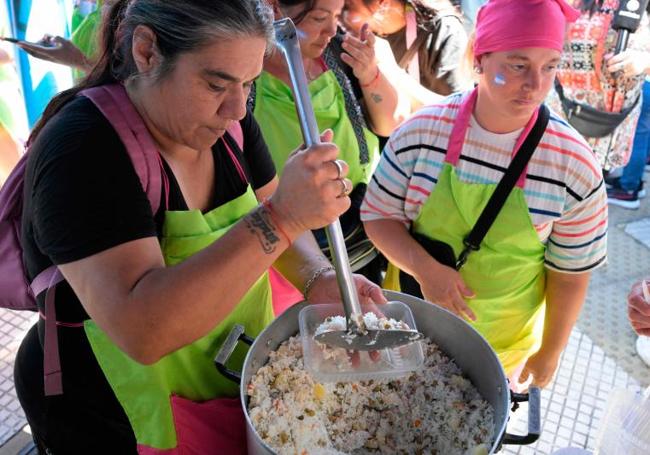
(585, 79)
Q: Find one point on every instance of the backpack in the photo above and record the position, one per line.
(16, 293)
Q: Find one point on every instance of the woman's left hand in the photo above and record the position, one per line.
(326, 290)
(630, 62)
(361, 55)
(541, 366)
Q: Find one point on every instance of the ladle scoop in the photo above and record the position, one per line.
(357, 336)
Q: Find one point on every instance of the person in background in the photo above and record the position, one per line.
(149, 297)
(79, 52)
(10, 144)
(524, 288)
(349, 95)
(427, 40)
(590, 74)
(627, 190)
(638, 313)
(638, 308)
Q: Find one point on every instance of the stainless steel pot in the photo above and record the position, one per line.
(457, 339)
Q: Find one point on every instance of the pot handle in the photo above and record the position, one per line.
(236, 334)
(534, 421)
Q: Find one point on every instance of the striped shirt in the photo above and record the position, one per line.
(564, 186)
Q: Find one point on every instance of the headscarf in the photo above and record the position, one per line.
(504, 25)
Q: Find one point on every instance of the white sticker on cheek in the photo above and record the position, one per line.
(500, 79)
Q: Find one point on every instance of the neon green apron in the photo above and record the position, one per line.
(275, 112)
(507, 274)
(145, 391)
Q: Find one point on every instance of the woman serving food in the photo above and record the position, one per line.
(150, 295)
(523, 286)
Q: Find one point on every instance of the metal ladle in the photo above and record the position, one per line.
(357, 336)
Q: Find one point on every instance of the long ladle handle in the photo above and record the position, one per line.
(287, 41)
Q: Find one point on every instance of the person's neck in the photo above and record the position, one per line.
(276, 65)
(169, 149)
(484, 113)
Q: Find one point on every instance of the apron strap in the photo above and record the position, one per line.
(459, 132)
(515, 172)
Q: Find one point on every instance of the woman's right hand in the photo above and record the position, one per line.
(445, 287)
(311, 192)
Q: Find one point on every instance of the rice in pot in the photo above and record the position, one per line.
(433, 411)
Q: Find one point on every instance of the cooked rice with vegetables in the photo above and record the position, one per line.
(433, 411)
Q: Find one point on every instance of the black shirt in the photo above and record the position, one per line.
(83, 196)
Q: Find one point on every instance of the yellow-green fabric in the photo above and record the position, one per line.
(145, 391)
(275, 111)
(85, 33)
(507, 274)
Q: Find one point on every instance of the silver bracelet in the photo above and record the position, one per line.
(310, 282)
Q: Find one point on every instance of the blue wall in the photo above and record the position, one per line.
(30, 19)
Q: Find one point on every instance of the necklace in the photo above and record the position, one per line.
(311, 72)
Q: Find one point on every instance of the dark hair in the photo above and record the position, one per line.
(427, 10)
(179, 26)
(309, 5)
(591, 5)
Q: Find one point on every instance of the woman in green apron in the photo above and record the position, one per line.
(350, 96)
(523, 289)
(153, 284)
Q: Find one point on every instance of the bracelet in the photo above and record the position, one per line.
(310, 282)
(374, 79)
(266, 203)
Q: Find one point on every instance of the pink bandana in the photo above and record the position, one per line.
(504, 25)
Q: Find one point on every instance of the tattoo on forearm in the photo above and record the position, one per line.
(376, 98)
(259, 222)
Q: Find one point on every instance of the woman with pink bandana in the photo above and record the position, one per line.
(524, 287)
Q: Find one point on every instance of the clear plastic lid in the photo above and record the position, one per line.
(328, 364)
(625, 427)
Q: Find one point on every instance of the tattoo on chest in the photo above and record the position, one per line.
(376, 98)
(259, 223)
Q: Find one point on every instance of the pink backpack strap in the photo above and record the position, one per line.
(115, 105)
(237, 134)
(47, 280)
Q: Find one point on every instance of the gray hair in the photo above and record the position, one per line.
(184, 26)
(180, 26)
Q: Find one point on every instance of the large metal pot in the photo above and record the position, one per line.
(456, 338)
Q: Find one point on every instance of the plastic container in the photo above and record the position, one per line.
(327, 364)
(625, 428)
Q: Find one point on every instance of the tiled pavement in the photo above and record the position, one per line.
(600, 356)
(13, 326)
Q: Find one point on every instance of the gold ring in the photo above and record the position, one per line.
(345, 190)
(339, 169)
